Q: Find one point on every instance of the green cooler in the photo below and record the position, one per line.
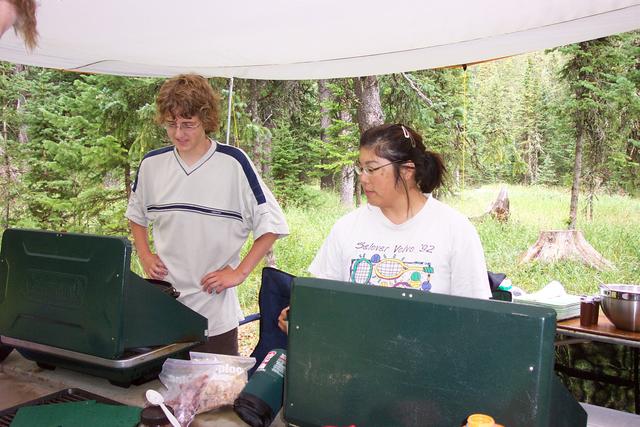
(370, 356)
(71, 300)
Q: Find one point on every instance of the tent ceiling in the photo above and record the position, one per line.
(305, 39)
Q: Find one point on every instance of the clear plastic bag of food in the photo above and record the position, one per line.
(206, 382)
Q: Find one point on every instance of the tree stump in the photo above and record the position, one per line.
(270, 258)
(499, 209)
(555, 245)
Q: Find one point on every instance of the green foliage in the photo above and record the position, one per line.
(343, 150)
(13, 86)
(291, 166)
(343, 132)
(514, 117)
(602, 77)
(436, 109)
(76, 161)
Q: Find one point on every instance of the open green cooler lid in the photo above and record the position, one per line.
(374, 356)
(76, 292)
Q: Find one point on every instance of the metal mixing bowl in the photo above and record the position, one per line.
(621, 305)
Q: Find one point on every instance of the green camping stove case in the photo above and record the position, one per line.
(362, 355)
(71, 300)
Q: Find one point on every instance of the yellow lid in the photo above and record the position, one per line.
(480, 420)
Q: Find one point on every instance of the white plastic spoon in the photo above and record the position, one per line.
(156, 398)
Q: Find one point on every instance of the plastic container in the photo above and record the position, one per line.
(589, 311)
(261, 398)
(481, 420)
(153, 416)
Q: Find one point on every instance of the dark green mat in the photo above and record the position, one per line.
(77, 414)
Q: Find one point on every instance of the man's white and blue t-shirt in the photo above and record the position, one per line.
(201, 215)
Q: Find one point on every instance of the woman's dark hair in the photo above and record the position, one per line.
(399, 143)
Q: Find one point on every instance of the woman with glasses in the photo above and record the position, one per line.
(203, 199)
(403, 237)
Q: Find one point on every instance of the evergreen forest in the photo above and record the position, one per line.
(567, 118)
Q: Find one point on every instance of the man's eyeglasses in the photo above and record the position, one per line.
(368, 170)
(185, 126)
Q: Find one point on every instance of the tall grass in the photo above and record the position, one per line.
(308, 228)
(614, 232)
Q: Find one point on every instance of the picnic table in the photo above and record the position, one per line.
(22, 380)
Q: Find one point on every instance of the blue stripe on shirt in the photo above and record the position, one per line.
(202, 210)
(149, 154)
(247, 169)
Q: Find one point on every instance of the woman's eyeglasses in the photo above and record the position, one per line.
(368, 170)
(185, 126)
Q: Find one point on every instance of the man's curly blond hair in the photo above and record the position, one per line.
(188, 95)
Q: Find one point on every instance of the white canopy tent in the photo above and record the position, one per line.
(305, 39)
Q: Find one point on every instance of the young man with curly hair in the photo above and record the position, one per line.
(203, 199)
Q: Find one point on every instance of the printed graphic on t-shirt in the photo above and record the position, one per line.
(391, 272)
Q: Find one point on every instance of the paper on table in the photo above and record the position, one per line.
(553, 289)
(553, 296)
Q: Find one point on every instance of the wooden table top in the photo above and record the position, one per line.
(604, 328)
(21, 380)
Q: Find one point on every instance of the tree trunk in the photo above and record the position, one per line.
(267, 148)
(532, 156)
(9, 172)
(324, 96)
(556, 245)
(577, 170)
(347, 179)
(593, 187)
(23, 138)
(327, 181)
(369, 108)
(358, 191)
(6, 192)
(256, 156)
(369, 111)
(347, 173)
(270, 259)
(127, 179)
(499, 208)
(261, 147)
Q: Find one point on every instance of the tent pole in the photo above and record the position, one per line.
(464, 120)
(229, 109)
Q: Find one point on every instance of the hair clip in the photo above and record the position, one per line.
(407, 135)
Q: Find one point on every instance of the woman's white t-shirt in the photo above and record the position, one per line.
(437, 250)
